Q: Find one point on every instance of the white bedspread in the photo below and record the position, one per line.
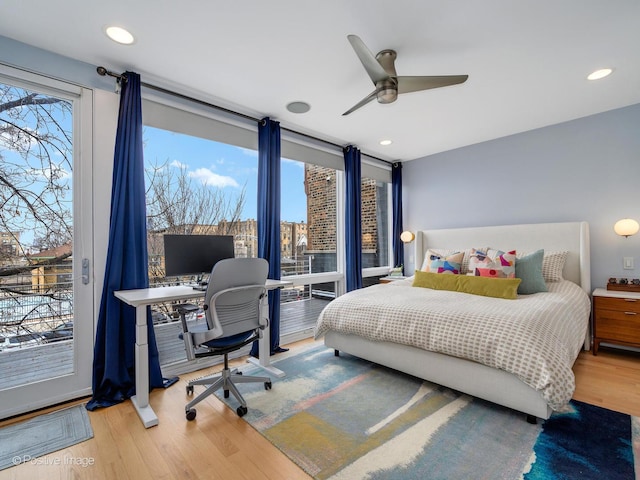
(536, 337)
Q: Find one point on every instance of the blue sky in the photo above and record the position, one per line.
(226, 167)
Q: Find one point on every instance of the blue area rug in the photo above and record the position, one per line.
(25, 441)
(346, 418)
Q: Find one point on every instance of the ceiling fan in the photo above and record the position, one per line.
(388, 84)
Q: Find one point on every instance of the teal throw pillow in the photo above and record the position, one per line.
(529, 270)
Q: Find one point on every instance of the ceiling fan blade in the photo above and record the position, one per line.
(368, 59)
(362, 102)
(415, 84)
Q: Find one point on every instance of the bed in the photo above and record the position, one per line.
(423, 349)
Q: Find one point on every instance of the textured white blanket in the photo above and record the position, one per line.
(536, 337)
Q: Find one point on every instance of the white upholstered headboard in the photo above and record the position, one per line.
(553, 237)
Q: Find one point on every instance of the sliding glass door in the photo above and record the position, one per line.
(46, 289)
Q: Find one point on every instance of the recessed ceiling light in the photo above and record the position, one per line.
(120, 35)
(385, 142)
(598, 74)
(298, 107)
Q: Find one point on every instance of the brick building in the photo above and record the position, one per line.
(321, 216)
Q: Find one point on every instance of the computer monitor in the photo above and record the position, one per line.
(195, 254)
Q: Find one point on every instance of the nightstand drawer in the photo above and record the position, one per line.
(619, 304)
(616, 318)
(622, 326)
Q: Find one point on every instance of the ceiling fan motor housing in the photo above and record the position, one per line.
(388, 88)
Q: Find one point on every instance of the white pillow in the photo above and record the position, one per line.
(552, 266)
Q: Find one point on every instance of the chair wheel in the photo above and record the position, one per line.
(241, 411)
(226, 394)
(189, 389)
(191, 414)
(267, 385)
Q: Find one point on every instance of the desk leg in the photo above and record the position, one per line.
(141, 399)
(264, 345)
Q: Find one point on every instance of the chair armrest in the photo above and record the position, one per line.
(185, 308)
(187, 336)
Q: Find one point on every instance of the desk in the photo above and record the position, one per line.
(141, 299)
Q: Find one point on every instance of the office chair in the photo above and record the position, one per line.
(233, 305)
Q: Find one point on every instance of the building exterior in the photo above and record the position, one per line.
(47, 277)
(321, 216)
(10, 251)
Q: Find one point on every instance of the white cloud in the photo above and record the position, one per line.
(179, 164)
(207, 177)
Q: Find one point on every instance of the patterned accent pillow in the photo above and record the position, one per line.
(432, 251)
(446, 252)
(493, 263)
(437, 263)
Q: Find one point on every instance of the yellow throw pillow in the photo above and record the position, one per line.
(506, 288)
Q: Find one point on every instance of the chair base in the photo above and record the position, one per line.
(225, 380)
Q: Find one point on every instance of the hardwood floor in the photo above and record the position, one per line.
(219, 445)
(611, 380)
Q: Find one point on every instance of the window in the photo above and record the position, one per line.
(201, 178)
(198, 186)
(375, 221)
(188, 150)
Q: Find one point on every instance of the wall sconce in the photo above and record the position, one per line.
(626, 227)
(407, 236)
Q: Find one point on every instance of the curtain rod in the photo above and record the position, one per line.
(121, 78)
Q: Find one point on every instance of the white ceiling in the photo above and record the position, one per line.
(527, 60)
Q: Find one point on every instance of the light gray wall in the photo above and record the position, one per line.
(586, 169)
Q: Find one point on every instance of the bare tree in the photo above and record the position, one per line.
(177, 204)
(36, 161)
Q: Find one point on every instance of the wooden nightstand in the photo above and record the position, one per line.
(616, 318)
(390, 279)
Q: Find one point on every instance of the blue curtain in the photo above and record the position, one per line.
(114, 351)
(396, 199)
(269, 219)
(353, 227)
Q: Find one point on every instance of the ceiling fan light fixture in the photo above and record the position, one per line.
(298, 107)
(598, 74)
(119, 35)
(387, 95)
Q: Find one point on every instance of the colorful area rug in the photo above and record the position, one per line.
(346, 418)
(25, 441)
